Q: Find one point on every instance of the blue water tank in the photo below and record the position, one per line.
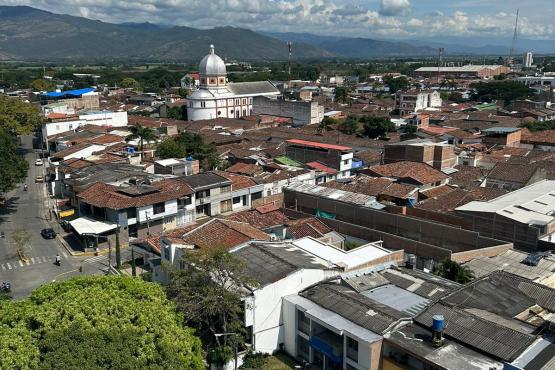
(438, 323)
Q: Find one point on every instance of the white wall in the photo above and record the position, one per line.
(148, 211)
(85, 152)
(112, 119)
(267, 317)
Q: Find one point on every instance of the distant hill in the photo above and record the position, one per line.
(31, 34)
(356, 47)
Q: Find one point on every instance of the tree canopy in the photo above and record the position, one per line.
(341, 95)
(375, 127)
(195, 146)
(505, 90)
(101, 322)
(13, 168)
(18, 117)
(42, 85)
(130, 83)
(209, 290)
(142, 133)
(395, 83)
(454, 271)
(349, 126)
(170, 148)
(539, 126)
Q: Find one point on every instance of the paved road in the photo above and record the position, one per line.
(26, 210)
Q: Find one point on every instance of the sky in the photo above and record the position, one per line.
(403, 19)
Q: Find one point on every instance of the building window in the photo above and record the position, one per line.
(219, 113)
(237, 101)
(167, 252)
(203, 104)
(159, 208)
(236, 200)
(203, 81)
(244, 112)
(229, 101)
(302, 348)
(181, 203)
(203, 194)
(71, 126)
(225, 189)
(131, 213)
(212, 81)
(244, 101)
(222, 81)
(303, 322)
(225, 206)
(346, 162)
(352, 349)
(256, 196)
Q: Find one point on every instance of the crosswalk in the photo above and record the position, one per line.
(97, 259)
(35, 260)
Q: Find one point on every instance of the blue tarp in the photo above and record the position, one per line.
(75, 93)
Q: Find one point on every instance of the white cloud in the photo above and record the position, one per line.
(394, 7)
(330, 17)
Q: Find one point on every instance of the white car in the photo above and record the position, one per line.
(38, 162)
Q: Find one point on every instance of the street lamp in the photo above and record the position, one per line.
(234, 345)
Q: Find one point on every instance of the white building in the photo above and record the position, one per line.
(301, 112)
(216, 98)
(528, 60)
(416, 100)
(286, 268)
(106, 118)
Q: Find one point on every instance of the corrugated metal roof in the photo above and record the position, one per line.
(315, 144)
(74, 93)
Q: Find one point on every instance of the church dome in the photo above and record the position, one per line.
(211, 64)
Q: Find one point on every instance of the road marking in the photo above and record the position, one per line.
(9, 266)
(95, 259)
(3, 267)
(20, 263)
(32, 260)
(44, 259)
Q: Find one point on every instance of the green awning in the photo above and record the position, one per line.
(323, 214)
(288, 161)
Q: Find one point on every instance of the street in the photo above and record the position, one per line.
(27, 210)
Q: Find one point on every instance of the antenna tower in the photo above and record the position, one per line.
(439, 56)
(513, 43)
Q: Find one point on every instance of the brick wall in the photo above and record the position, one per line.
(276, 199)
(462, 257)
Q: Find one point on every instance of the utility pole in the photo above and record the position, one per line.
(439, 55)
(290, 47)
(118, 249)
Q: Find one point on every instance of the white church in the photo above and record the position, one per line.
(218, 98)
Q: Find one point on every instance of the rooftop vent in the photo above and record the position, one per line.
(438, 325)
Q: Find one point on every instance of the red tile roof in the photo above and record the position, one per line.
(315, 144)
(222, 233)
(321, 167)
(261, 217)
(373, 186)
(419, 172)
(245, 168)
(238, 182)
(307, 227)
(108, 196)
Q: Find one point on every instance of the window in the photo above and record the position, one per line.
(346, 161)
(352, 349)
(302, 348)
(212, 81)
(159, 208)
(71, 126)
(236, 200)
(222, 81)
(256, 196)
(181, 203)
(167, 252)
(203, 81)
(131, 213)
(237, 101)
(203, 194)
(225, 206)
(225, 189)
(203, 104)
(244, 101)
(219, 113)
(244, 112)
(303, 322)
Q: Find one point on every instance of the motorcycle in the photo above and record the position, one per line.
(6, 286)
(58, 260)
(25, 187)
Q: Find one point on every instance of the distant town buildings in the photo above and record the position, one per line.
(416, 100)
(466, 71)
(528, 60)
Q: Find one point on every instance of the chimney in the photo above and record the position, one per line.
(437, 330)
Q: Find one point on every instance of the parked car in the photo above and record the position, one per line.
(39, 179)
(38, 162)
(48, 233)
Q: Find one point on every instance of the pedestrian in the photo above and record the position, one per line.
(58, 259)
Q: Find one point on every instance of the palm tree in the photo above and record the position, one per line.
(454, 271)
(142, 133)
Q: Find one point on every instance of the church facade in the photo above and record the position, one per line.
(218, 98)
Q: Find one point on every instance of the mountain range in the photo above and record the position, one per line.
(27, 33)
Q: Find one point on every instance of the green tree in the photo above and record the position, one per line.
(409, 129)
(100, 322)
(505, 90)
(130, 83)
(349, 126)
(325, 125)
(455, 97)
(142, 133)
(13, 168)
(18, 117)
(539, 126)
(170, 148)
(375, 127)
(341, 95)
(194, 146)
(42, 85)
(177, 113)
(208, 292)
(395, 83)
(454, 271)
